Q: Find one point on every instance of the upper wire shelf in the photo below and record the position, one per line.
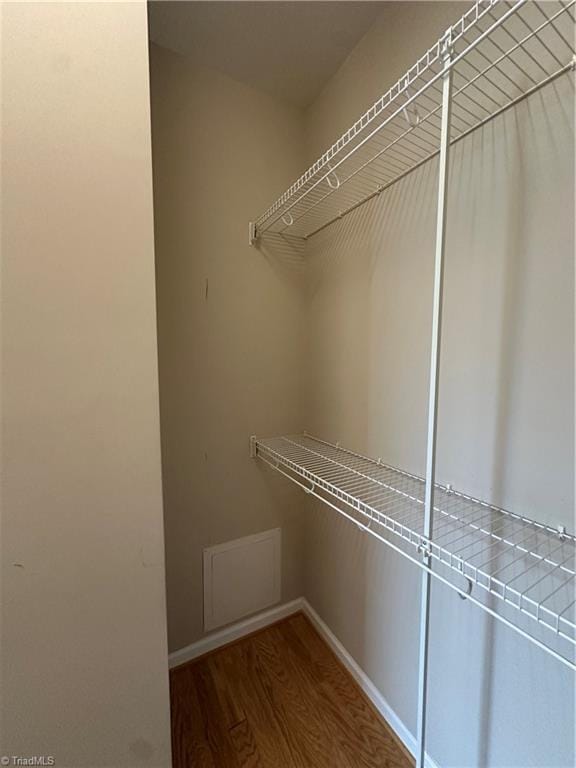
(530, 568)
(500, 52)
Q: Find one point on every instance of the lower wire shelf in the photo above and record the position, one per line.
(525, 571)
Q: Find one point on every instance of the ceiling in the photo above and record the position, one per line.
(289, 49)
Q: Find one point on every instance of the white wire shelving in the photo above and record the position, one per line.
(501, 52)
(519, 571)
(478, 549)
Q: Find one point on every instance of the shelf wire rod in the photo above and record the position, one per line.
(490, 576)
(424, 64)
(522, 556)
(378, 173)
(388, 476)
(467, 514)
(492, 584)
(490, 510)
(465, 109)
(567, 7)
(531, 523)
(473, 78)
(507, 542)
(512, 515)
(361, 168)
(506, 56)
(496, 587)
(482, 36)
(402, 552)
(493, 64)
(461, 91)
(459, 137)
(508, 527)
(398, 504)
(371, 179)
(414, 132)
(491, 533)
(570, 46)
(381, 492)
(369, 488)
(409, 148)
(314, 455)
(568, 662)
(383, 184)
(384, 487)
(386, 470)
(431, 155)
(533, 36)
(537, 36)
(453, 493)
(344, 195)
(359, 473)
(484, 102)
(385, 499)
(545, 599)
(561, 614)
(466, 524)
(398, 515)
(529, 569)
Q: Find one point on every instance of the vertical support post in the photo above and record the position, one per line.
(433, 391)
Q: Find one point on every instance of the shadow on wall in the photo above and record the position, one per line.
(504, 434)
(285, 254)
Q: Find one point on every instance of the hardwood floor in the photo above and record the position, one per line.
(276, 699)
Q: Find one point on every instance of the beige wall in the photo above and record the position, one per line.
(230, 322)
(506, 403)
(84, 667)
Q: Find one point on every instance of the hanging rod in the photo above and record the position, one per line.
(502, 54)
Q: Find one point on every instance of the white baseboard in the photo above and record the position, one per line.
(234, 632)
(261, 620)
(399, 728)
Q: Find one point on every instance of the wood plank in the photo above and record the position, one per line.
(230, 703)
(292, 696)
(277, 699)
(362, 724)
(189, 744)
(217, 734)
(247, 750)
(277, 743)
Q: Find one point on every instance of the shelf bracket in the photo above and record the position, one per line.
(253, 451)
(410, 112)
(252, 234)
(446, 49)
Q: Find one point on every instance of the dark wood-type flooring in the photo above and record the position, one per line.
(276, 699)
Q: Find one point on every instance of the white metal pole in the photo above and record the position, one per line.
(433, 392)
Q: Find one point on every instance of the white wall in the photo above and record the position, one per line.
(84, 657)
(506, 405)
(230, 322)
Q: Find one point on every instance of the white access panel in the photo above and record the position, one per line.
(241, 577)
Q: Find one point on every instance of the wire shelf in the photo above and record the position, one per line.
(501, 52)
(529, 567)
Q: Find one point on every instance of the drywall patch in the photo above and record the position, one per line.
(241, 577)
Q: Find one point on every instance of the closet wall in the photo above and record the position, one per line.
(230, 322)
(84, 675)
(507, 386)
(335, 340)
